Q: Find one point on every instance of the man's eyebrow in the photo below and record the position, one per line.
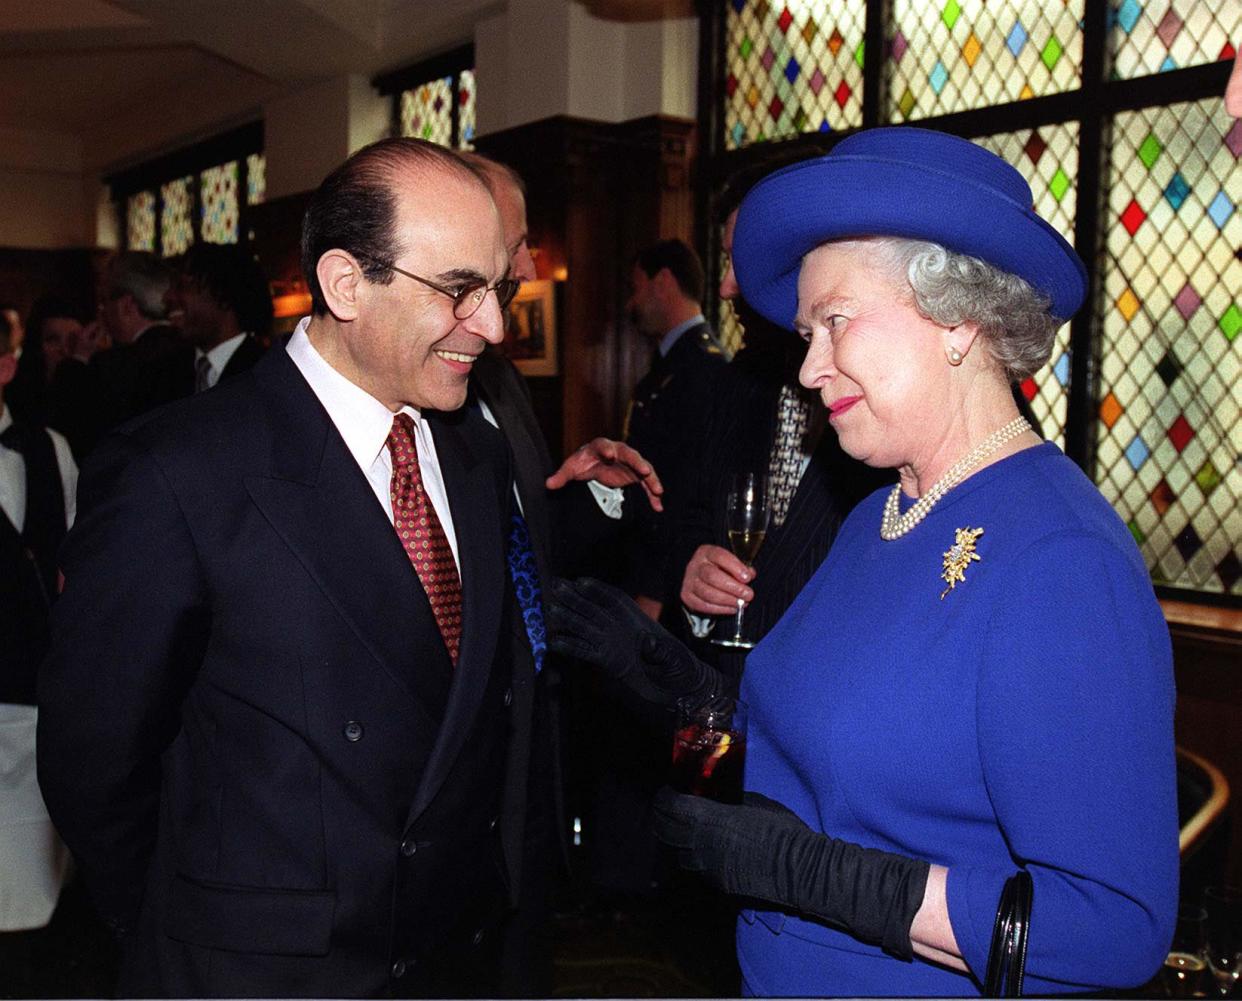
(461, 275)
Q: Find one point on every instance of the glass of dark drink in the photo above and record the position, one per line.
(709, 750)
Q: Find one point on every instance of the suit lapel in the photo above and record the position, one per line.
(470, 482)
(531, 462)
(319, 502)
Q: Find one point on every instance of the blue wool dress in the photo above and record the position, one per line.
(1025, 718)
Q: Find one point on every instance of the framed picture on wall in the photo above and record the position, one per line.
(530, 329)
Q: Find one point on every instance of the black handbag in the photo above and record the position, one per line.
(1007, 955)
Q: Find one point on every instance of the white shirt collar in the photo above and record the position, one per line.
(6, 420)
(219, 355)
(361, 419)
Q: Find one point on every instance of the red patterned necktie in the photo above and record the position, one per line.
(418, 527)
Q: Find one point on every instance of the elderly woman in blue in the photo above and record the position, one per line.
(978, 679)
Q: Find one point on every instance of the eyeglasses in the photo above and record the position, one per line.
(469, 296)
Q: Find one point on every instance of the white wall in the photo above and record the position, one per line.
(534, 59)
(43, 201)
(542, 58)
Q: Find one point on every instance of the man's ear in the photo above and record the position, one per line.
(340, 278)
(8, 367)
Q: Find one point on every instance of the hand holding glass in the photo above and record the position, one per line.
(746, 523)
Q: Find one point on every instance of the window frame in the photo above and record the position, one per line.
(236, 144)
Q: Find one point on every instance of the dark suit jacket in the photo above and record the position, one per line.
(86, 400)
(666, 424)
(741, 432)
(248, 352)
(250, 733)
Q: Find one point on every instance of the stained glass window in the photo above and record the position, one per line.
(140, 221)
(1169, 429)
(946, 56)
(792, 67)
(176, 219)
(465, 110)
(256, 179)
(1048, 158)
(1153, 36)
(426, 111)
(218, 197)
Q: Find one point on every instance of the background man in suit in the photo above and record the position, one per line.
(565, 516)
(221, 300)
(283, 727)
(147, 364)
(670, 402)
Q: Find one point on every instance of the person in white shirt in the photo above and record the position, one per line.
(37, 484)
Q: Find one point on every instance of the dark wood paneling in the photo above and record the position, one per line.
(1207, 655)
(597, 193)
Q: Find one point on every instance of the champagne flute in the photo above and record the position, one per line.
(746, 523)
(1224, 937)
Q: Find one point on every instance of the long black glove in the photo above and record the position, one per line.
(592, 621)
(763, 850)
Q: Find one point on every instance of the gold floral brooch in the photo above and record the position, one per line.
(957, 559)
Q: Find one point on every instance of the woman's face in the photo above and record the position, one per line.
(878, 366)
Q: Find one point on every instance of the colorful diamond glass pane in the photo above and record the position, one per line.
(218, 198)
(140, 221)
(256, 179)
(975, 55)
(1170, 278)
(795, 69)
(1048, 158)
(176, 221)
(427, 111)
(1153, 37)
(466, 109)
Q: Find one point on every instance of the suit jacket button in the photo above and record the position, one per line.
(408, 847)
(398, 969)
(478, 937)
(508, 696)
(353, 731)
(491, 824)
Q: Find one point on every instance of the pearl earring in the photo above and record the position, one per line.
(955, 356)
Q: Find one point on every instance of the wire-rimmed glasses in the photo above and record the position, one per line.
(469, 295)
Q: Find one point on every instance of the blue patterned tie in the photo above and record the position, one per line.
(525, 577)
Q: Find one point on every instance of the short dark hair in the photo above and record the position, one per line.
(234, 279)
(682, 262)
(355, 208)
(738, 184)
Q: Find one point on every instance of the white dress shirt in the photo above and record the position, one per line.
(13, 476)
(217, 358)
(365, 423)
(33, 860)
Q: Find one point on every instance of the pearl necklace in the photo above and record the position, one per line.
(893, 526)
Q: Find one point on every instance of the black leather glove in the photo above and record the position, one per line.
(593, 621)
(763, 850)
